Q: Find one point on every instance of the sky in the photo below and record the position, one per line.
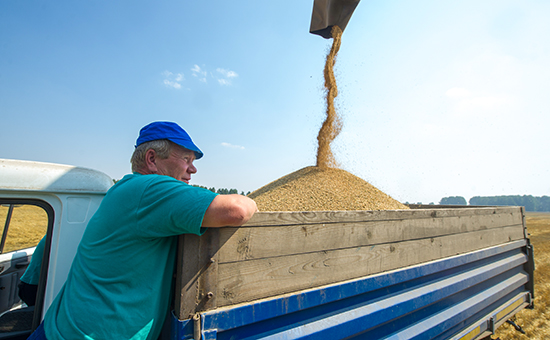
(437, 98)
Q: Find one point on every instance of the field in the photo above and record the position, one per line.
(535, 322)
(27, 226)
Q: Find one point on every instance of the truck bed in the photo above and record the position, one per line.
(420, 273)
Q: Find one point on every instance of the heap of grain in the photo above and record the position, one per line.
(316, 189)
(324, 187)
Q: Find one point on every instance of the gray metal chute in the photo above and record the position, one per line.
(328, 13)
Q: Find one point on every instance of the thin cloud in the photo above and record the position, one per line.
(173, 84)
(227, 75)
(227, 145)
(198, 72)
(223, 76)
(196, 69)
(173, 80)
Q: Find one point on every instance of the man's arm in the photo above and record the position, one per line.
(229, 211)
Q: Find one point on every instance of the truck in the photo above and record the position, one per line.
(428, 272)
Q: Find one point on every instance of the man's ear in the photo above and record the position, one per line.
(151, 161)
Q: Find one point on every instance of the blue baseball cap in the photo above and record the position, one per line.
(167, 130)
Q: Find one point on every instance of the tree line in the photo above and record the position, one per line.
(222, 191)
(531, 203)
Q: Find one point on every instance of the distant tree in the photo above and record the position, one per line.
(221, 191)
(544, 204)
(531, 203)
(453, 200)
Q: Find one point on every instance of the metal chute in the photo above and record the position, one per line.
(329, 13)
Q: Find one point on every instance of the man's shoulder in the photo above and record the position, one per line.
(139, 179)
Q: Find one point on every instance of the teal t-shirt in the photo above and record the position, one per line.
(32, 273)
(119, 285)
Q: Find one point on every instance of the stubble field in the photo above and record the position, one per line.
(535, 322)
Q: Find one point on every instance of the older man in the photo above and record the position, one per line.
(120, 282)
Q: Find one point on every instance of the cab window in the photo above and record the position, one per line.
(23, 225)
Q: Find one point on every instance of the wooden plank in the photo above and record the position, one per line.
(237, 244)
(316, 217)
(208, 278)
(187, 270)
(255, 279)
(196, 273)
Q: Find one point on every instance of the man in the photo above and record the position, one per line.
(28, 283)
(119, 284)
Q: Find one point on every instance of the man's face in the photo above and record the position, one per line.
(178, 165)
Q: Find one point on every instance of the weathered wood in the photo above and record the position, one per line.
(252, 243)
(208, 278)
(316, 217)
(187, 270)
(196, 273)
(283, 252)
(248, 280)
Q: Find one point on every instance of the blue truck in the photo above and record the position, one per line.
(429, 272)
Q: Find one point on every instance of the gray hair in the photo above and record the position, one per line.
(162, 147)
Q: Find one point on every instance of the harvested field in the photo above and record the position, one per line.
(535, 322)
(28, 225)
(320, 189)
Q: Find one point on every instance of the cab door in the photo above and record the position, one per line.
(23, 223)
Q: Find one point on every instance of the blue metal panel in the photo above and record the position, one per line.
(181, 329)
(430, 301)
(438, 323)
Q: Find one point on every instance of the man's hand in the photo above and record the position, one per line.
(229, 211)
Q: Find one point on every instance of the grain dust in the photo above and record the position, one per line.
(333, 124)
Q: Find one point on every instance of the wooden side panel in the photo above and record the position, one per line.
(253, 242)
(282, 252)
(314, 217)
(196, 273)
(253, 279)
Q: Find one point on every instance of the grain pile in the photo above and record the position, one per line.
(316, 189)
(324, 187)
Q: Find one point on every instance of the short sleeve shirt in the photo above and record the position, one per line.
(119, 285)
(32, 273)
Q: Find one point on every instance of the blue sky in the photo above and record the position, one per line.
(438, 98)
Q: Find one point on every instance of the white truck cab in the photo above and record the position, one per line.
(41, 200)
